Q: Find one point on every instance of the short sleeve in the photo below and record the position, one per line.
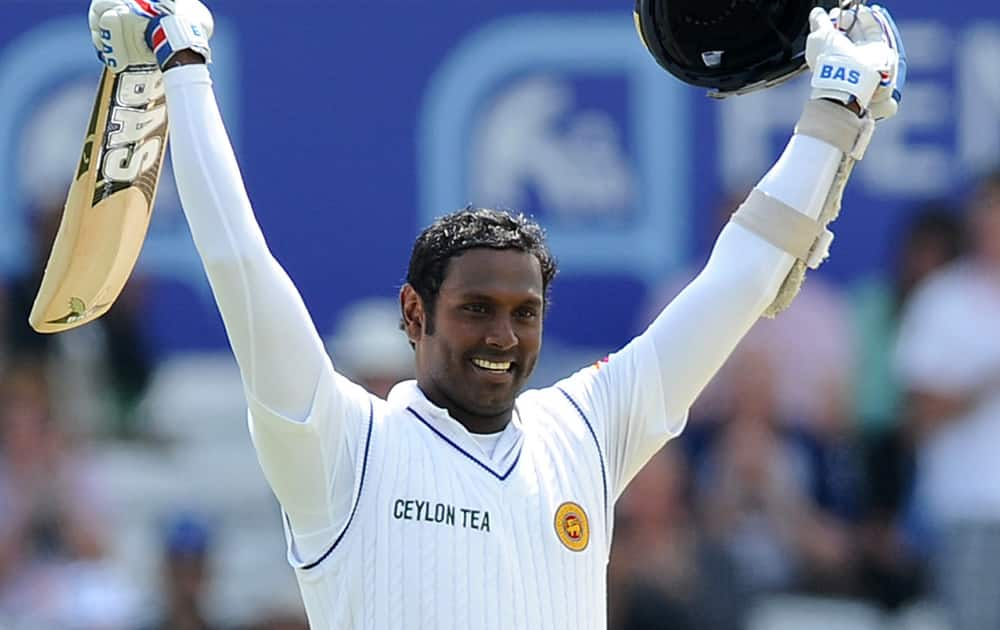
(311, 465)
(622, 398)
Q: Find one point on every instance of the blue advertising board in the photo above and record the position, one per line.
(357, 123)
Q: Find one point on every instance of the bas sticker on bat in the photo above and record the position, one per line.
(135, 135)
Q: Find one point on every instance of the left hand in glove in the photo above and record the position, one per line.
(857, 56)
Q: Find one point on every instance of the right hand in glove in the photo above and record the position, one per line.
(146, 32)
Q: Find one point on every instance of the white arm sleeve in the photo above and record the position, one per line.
(284, 365)
(640, 397)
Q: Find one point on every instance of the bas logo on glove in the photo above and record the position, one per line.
(110, 202)
(863, 38)
(840, 73)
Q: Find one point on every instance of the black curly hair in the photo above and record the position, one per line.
(469, 228)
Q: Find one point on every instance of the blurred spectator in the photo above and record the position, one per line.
(48, 510)
(948, 358)
(185, 566)
(892, 571)
(778, 498)
(809, 348)
(930, 239)
(892, 568)
(369, 348)
(663, 572)
(52, 553)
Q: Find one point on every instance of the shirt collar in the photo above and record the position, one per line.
(408, 394)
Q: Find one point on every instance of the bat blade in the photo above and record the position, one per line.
(110, 202)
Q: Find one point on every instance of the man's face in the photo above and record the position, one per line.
(486, 336)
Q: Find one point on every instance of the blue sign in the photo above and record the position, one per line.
(359, 123)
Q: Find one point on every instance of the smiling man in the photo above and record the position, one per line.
(461, 501)
(472, 307)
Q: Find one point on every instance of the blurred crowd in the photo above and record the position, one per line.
(129, 493)
(839, 467)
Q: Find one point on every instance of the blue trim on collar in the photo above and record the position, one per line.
(600, 454)
(466, 453)
(357, 501)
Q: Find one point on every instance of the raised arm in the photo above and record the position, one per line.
(305, 419)
(760, 258)
(280, 353)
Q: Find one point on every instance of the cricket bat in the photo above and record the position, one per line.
(110, 202)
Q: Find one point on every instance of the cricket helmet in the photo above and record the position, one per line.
(728, 46)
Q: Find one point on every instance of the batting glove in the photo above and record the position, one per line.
(855, 57)
(146, 32)
(870, 25)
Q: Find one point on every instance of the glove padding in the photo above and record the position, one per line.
(855, 57)
(146, 32)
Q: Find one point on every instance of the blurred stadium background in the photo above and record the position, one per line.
(836, 474)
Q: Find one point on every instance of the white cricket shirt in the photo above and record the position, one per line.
(437, 534)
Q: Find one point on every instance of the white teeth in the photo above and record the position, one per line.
(490, 365)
